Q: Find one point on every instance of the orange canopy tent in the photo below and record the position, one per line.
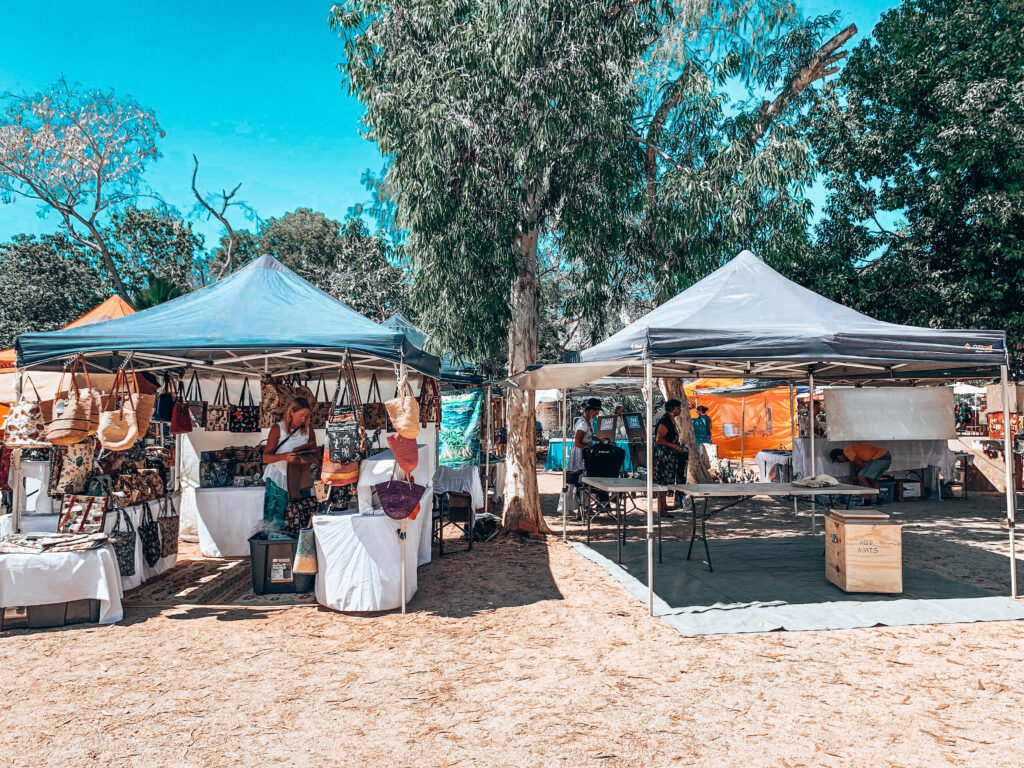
(763, 418)
(113, 307)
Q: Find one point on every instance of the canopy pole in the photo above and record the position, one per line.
(649, 398)
(487, 450)
(1010, 496)
(565, 460)
(743, 433)
(792, 436)
(814, 463)
(17, 483)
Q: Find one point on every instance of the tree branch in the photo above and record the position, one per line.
(218, 215)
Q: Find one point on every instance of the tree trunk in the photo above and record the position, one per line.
(522, 499)
(696, 470)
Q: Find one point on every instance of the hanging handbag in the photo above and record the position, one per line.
(76, 412)
(375, 415)
(124, 543)
(149, 532)
(144, 399)
(335, 473)
(26, 421)
(300, 389)
(245, 417)
(181, 414)
(5, 469)
(83, 514)
(139, 485)
(193, 398)
(218, 413)
(217, 473)
(399, 498)
(118, 429)
(405, 451)
(298, 513)
(71, 467)
(169, 521)
(164, 407)
(275, 394)
(429, 402)
(346, 439)
(404, 411)
(321, 410)
(305, 552)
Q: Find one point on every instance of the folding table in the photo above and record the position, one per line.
(618, 488)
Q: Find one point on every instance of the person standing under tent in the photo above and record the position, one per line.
(583, 437)
(670, 456)
(702, 426)
(620, 424)
(289, 436)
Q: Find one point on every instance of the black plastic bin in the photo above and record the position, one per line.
(272, 567)
(51, 615)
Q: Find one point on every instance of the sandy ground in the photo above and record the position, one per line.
(519, 654)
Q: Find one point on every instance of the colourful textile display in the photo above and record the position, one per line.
(461, 423)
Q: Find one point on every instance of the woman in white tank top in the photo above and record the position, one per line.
(289, 435)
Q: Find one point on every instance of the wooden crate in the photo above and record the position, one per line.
(864, 553)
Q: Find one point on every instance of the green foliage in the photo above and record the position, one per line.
(45, 283)
(922, 143)
(158, 290)
(153, 242)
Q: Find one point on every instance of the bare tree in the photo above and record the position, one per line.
(218, 209)
(79, 152)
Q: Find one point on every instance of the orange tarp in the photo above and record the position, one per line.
(764, 418)
(113, 307)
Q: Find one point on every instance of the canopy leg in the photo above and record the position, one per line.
(1010, 495)
(565, 459)
(792, 438)
(649, 398)
(814, 463)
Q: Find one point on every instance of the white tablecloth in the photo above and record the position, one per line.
(226, 518)
(461, 480)
(906, 454)
(59, 577)
(499, 479)
(779, 461)
(359, 558)
(378, 469)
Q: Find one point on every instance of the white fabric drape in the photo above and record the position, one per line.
(226, 518)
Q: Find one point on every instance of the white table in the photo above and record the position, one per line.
(740, 492)
(58, 577)
(226, 518)
(462, 480)
(780, 462)
(379, 469)
(906, 455)
(359, 559)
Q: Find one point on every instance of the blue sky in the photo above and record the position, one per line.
(251, 88)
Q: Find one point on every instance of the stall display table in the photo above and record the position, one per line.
(906, 455)
(58, 577)
(618, 490)
(556, 455)
(359, 559)
(775, 466)
(226, 518)
(461, 480)
(740, 492)
(379, 469)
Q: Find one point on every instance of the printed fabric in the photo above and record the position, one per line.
(460, 428)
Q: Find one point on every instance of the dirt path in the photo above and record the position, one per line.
(519, 654)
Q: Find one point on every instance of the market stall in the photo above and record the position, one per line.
(251, 333)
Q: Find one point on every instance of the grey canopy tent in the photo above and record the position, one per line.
(745, 320)
(263, 318)
(452, 371)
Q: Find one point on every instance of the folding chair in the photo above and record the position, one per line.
(453, 508)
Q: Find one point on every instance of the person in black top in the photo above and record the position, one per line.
(669, 455)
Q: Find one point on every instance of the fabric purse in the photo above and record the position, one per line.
(298, 513)
(335, 473)
(245, 417)
(5, 469)
(169, 521)
(321, 410)
(299, 389)
(139, 486)
(124, 543)
(275, 394)
(375, 415)
(193, 398)
(26, 421)
(149, 532)
(181, 415)
(164, 407)
(83, 514)
(76, 412)
(218, 413)
(404, 411)
(119, 427)
(305, 552)
(406, 452)
(216, 473)
(346, 439)
(71, 467)
(429, 402)
(399, 498)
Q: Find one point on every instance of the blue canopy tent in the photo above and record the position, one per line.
(262, 319)
(452, 372)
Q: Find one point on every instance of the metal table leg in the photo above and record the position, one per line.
(620, 525)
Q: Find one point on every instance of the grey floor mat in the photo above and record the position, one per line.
(766, 584)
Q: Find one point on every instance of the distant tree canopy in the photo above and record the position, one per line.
(922, 144)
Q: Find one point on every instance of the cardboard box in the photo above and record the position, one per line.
(909, 490)
(864, 553)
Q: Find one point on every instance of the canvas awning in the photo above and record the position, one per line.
(262, 318)
(452, 372)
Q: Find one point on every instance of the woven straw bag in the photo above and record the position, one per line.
(119, 427)
(76, 411)
(404, 411)
(406, 452)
